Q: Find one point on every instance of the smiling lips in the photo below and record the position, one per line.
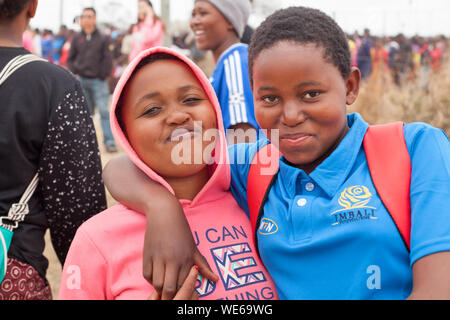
(182, 133)
(294, 140)
(199, 33)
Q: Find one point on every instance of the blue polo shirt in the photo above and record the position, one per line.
(327, 235)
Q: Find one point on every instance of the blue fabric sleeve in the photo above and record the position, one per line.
(233, 89)
(241, 156)
(429, 149)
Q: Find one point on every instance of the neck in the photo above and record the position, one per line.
(231, 40)
(11, 35)
(188, 187)
(310, 167)
(89, 31)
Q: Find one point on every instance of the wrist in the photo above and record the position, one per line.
(167, 208)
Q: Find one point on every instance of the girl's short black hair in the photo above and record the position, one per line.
(9, 9)
(304, 26)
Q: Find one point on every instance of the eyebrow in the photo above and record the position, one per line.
(308, 83)
(147, 97)
(182, 89)
(301, 85)
(189, 87)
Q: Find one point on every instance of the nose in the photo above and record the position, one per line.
(195, 19)
(292, 114)
(177, 117)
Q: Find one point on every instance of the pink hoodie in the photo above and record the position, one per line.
(105, 258)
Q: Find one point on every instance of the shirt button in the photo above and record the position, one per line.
(301, 202)
(309, 186)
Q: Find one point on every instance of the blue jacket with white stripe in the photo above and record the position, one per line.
(231, 83)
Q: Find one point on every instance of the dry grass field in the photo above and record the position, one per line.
(379, 102)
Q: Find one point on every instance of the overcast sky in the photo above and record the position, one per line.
(383, 17)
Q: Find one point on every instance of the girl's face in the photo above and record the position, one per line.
(160, 105)
(144, 11)
(304, 97)
(210, 27)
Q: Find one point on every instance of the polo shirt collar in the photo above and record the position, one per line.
(334, 170)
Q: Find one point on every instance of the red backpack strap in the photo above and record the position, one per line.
(390, 168)
(261, 174)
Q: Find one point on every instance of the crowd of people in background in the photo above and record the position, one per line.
(405, 59)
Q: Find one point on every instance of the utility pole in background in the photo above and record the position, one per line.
(165, 15)
(61, 12)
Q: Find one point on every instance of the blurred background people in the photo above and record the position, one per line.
(148, 31)
(364, 58)
(90, 58)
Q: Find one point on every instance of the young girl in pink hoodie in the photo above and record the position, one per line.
(163, 98)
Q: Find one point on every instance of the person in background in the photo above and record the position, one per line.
(353, 49)
(364, 58)
(45, 128)
(66, 49)
(58, 44)
(436, 55)
(149, 30)
(127, 44)
(27, 38)
(248, 32)
(91, 59)
(218, 25)
(46, 45)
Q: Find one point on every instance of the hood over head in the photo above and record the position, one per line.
(220, 173)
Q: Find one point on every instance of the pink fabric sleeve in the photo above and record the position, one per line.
(84, 272)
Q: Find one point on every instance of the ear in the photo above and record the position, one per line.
(32, 7)
(352, 85)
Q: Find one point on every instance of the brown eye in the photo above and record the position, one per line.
(270, 99)
(151, 111)
(312, 94)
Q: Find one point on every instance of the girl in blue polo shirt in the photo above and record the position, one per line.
(325, 234)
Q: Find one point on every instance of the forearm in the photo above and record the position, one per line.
(431, 280)
(131, 187)
(168, 238)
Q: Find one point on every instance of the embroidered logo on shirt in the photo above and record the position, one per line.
(354, 201)
(267, 226)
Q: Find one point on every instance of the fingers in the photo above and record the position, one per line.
(170, 282)
(154, 296)
(187, 290)
(147, 269)
(204, 268)
(158, 276)
(182, 275)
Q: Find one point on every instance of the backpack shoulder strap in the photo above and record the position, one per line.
(261, 176)
(17, 63)
(390, 168)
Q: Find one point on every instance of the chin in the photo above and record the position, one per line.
(299, 161)
(182, 170)
(202, 46)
